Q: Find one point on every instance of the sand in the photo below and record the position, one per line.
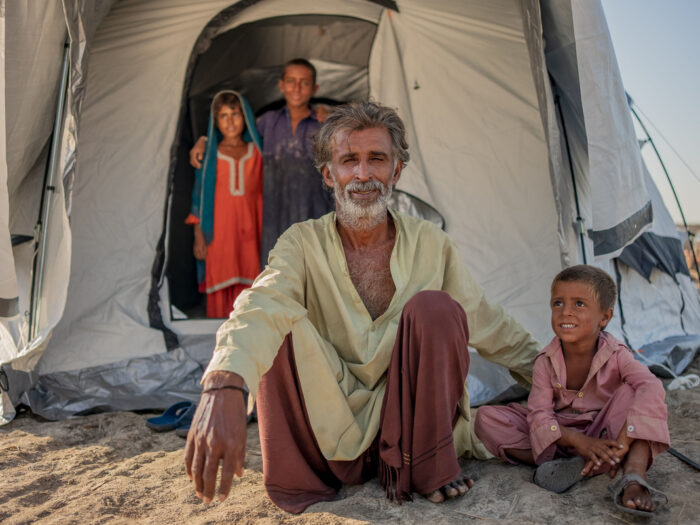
(110, 468)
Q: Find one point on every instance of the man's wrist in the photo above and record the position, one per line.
(221, 378)
(213, 389)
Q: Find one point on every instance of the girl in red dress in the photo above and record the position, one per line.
(227, 204)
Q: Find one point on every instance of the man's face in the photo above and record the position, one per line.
(297, 86)
(362, 174)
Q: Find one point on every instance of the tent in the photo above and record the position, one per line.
(519, 131)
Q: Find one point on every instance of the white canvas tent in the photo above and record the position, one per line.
(519, 132)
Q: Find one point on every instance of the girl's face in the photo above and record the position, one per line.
(230, 122)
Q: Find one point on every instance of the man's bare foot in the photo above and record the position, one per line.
(637, 497)
(453, 489)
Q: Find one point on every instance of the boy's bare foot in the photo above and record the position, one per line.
(453, 489)
(637, 497)
(634, 495)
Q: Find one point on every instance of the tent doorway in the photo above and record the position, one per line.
(249, 59)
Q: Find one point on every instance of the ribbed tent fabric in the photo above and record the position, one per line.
(510, 107)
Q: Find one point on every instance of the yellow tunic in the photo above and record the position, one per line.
(342, 354)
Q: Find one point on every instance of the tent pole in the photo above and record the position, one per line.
(690, 235)
(579, 219)
(49, 191)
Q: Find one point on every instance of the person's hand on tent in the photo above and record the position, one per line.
(197, 152)
(217, 435)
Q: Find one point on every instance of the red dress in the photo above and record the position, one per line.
(233, 256)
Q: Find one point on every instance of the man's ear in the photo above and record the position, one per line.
(280, 85)
(314, 90)
(397, 172)
(327, 177)
(607, 315)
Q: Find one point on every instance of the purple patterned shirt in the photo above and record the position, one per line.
(292, 187)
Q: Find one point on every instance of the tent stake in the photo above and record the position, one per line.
(48, 194)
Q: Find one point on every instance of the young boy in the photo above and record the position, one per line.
(590, 400)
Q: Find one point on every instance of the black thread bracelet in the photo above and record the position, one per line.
(232, 387)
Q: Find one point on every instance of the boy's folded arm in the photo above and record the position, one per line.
(570, 438)
(647, 418)
(543, 424)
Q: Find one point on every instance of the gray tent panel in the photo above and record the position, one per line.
(472, 82)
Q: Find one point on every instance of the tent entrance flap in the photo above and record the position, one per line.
(249, 59)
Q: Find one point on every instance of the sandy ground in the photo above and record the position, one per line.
(110, 468)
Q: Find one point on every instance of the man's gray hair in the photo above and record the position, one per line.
(357, 116)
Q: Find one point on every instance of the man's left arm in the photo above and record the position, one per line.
(497, 336)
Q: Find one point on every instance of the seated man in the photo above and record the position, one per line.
(355, 340)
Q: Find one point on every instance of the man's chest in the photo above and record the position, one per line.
(370, 272)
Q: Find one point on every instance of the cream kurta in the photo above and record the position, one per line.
(342, 354)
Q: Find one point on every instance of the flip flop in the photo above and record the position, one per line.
(559, 475)
(174, 416)
(183, 430)
(618, 488)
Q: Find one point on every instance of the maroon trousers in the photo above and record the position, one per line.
(414, 450)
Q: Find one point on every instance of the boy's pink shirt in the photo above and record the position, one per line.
(613, 364)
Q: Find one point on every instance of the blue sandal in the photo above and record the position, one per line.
(183, 430)
(178, 415)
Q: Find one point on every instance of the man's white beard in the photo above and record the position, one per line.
(361, 215)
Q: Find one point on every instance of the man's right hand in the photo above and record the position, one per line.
(217, 435)
(197, 152)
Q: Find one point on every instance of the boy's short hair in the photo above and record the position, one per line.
(225, 99)
(300, 62)
(602, 285)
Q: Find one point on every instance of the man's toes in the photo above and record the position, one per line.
(435, 497)
(450, 491)
(454, 489)
(460, 486)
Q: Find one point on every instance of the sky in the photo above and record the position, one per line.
(657, 45)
